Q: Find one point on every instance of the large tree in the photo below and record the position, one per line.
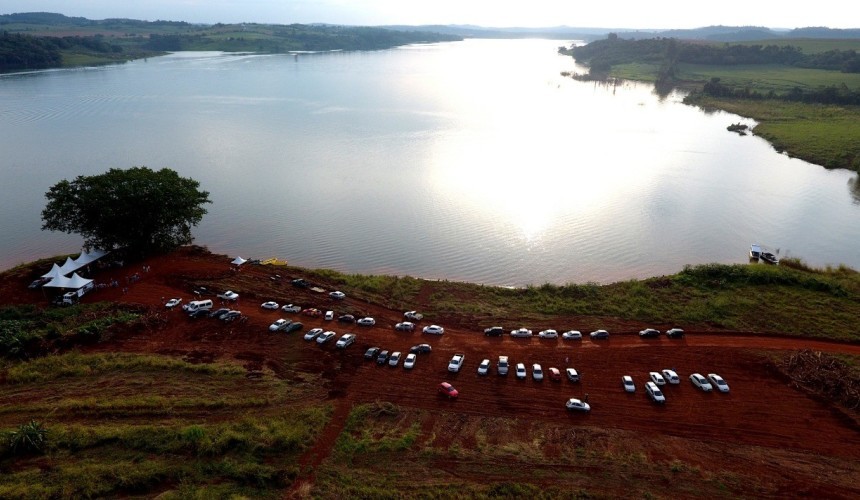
(142, 210)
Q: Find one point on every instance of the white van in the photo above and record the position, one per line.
(196, 305)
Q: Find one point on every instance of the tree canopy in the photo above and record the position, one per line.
(142, 210)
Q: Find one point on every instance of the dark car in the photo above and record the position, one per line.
(675, 333)
(371, 353)
(420, 348)
(294, 327)
(649, 332)
(346, 318)
(231, 316)
(382, 358)
(494, 331)
(200, 313)
(219, 312)
(300, 283)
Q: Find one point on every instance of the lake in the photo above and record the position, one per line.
(473, 161)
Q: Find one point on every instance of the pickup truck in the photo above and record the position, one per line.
(456, 363)
(228, 295)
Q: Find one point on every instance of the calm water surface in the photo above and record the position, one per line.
(470, 161)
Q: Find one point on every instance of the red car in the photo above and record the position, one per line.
(447, 389)
(312, 312)
(554, 374)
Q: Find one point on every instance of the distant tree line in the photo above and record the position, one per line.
(841, 95)
(20, 52)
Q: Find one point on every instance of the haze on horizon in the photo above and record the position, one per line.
(620, 14)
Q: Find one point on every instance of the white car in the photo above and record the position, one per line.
(405, 326)
(718, 382)
(291, 308)
(548, 334)
(394, 360)
(456, 363)
(434, 330)
(599, 334)
(325, 337)
(654, 393)
(572, 374)
(345, 340)
(572, 335)
(228, 295)
(521, 332)
(279, 324)
(329, 315)
(627, 382)
(413, 316)
(521, 371)
(313, 333)
(574, 404)
(701, 382)
(271, 305)
(484, 367)
(337, 295)
(367, 321)
(409, 362)
(537, 372)
(172, 303)
(657, 378)
(671, 377)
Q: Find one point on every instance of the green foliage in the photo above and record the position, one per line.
(144, 210)
(15, 337)
(28, 438)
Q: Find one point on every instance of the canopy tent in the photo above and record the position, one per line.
(238, 261)
(53, 273)
(74, 283)
(72, 265)
(68, 266)
(89, 257)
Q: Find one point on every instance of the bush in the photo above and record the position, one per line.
(29, 438)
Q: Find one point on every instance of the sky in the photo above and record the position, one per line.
(631, 14)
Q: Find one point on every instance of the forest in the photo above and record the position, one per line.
(25, 52)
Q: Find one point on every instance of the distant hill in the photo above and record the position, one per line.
(743, 33)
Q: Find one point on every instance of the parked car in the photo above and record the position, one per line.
(325, 337)
(627, 382)
(456, 363)
(484, 367)
(571, 335)
(718, 382)
(574, 404)
(654, 393)
(502, 365)
(448, 390)
(405, 326)
(382, 357)
(649, 332)
(599, 334)
(409, 362)
(494, 331)
(294, 327)
(313, 312)
(329, 315)
(537, 372)
(217, 313)
(300, 283)
(671, 377)
(548, 334)
(572, 374)
(554, 374)
(346, 318)
(231, 316)
(434, 330)
(421, 349)
(657, 378)
(413, 316)
(521, 371)
(313, 333)
(228, 295)
(291, 308)
(271, 305)
(172, 303)
(279, 324)
(200, 313)
(394, 360)
(371, 353)
(675, 333)
(521, 332)
(346, 340)
(701, 382)
(366, 321)
(337, 295)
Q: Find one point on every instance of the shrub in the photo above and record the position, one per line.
(29, 438)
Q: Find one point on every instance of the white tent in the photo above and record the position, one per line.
(68, 266)
(74, 283)
(238, 261)
(53, 273)
(88, 257)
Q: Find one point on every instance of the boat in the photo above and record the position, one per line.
(769, 258)
(755, 251)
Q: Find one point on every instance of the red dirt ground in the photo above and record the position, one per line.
(762, 410)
